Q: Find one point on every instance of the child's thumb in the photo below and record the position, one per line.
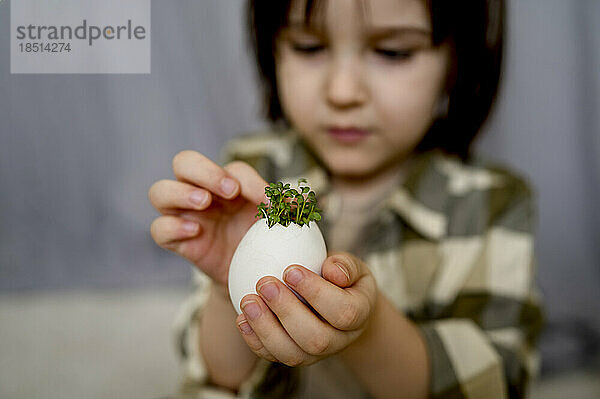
(341, 269)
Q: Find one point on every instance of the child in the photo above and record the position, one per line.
(428, 289)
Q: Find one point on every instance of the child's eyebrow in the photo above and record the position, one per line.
(378, 33)
(373, 32)
(302, 26)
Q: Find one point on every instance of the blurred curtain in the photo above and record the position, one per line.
(79, 152)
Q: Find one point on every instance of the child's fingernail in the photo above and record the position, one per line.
(228, 186)
(269, 290)
(293, 276)
(343, 269)
(251, 309)
(198, 197)
(245, 327)
(190, 227)
(189, 216)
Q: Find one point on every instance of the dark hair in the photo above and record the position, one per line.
(475, 32)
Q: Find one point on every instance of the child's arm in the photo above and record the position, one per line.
(390, 358)
(482, 315)
(205, 213)
(207, 344)
(482, 328)
(228, 359)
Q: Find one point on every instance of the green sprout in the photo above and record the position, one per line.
(288, 205)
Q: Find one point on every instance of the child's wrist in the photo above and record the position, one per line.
(221, 292)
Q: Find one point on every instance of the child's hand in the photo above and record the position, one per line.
(286, 330)
(206, 211)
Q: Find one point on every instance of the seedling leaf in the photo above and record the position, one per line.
(287, 205)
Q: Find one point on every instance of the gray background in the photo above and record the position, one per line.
(79, 152)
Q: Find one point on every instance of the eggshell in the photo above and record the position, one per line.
(265, 251)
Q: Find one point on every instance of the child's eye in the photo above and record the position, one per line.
(307, 48)
(399, 55)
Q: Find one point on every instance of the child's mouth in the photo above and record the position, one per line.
(347, 135)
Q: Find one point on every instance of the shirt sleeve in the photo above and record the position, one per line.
(481, 342)
(194, 383)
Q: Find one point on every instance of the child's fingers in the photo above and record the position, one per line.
(345, 309)
(166, 195)
(168, 230)
(362, 285)
(310, 333)
(340, 269)
(252, 340)
(194, 168)
(252, 184)
(271, 333)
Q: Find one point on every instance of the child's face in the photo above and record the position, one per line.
(375, 72)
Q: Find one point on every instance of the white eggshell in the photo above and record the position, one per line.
(265, 251)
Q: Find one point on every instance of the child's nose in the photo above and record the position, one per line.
(345, 84)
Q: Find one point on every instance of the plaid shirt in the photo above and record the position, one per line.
(452, 248)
